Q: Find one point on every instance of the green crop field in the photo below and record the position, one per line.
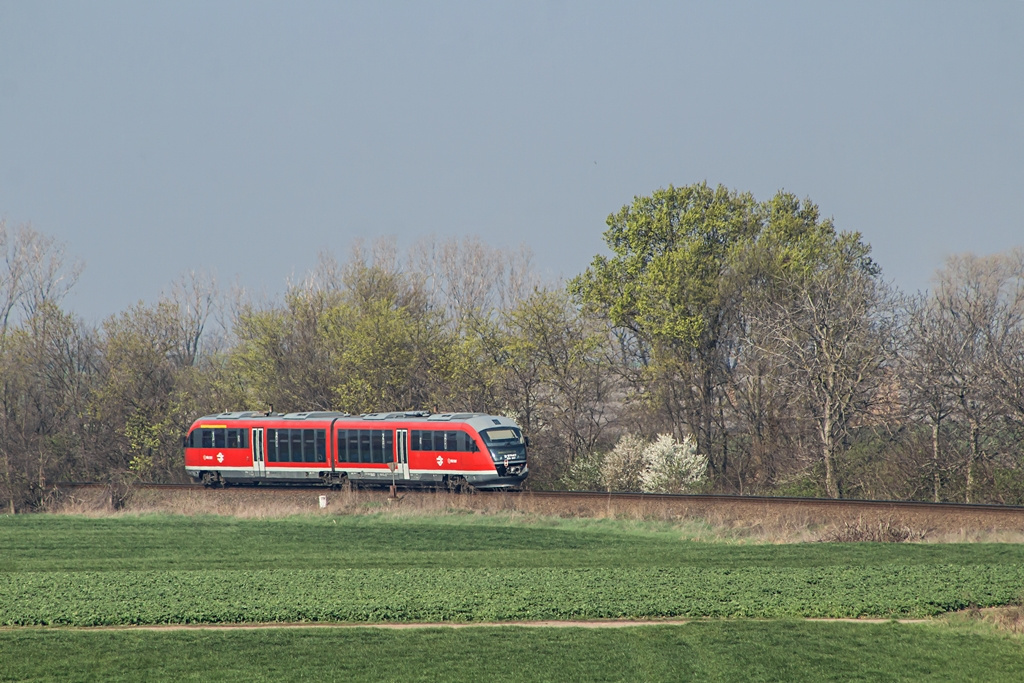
(169, 570)
(73, 571)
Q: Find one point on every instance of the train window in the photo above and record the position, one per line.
(284, 445)
(218, 437)
(353, 445)
(283, 449)
(281, 444)
(365, 446)
(377, 445)
(422, 440)
(308, 445)
(296, 439)
(359, 445)
(321, 445)
(502, 435)
(271, 445)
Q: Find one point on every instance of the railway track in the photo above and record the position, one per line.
(754, 512)
(665, 498)
(782, 501)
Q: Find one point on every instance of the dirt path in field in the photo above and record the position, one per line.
(406, 626)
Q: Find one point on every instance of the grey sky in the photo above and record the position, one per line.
(244, 137)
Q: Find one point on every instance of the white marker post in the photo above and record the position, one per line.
(391, 466)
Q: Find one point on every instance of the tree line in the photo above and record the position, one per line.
(755, 336)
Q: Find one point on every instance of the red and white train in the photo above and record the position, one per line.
(453, 450)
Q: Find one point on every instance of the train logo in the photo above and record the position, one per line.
(220, 457)
(440, 461)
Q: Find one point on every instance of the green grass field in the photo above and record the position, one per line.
(74, 571)
(709, 651)
(164, 542)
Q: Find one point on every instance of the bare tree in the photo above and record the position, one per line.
(39, 382)
(1007, 336)
(195, 296)
(768, 442)
(832, 335)
(470, 280)
(928, 358)
(979, 306)
(568, 350)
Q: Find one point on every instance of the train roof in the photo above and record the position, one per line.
(476, 420)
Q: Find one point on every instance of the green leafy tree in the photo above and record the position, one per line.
(692, 272)
(361, 337)
(668, 283)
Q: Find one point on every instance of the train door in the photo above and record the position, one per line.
(402, 453)
(258, 467)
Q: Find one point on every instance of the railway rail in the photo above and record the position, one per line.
(711, 498)
(763, 517)
(667, 499)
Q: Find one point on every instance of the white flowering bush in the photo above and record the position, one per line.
(660, 466)
(584, 474)
(623, 467)
(671, 466)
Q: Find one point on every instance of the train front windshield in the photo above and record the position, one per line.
(505, 443)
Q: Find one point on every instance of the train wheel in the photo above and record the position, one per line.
(460, 485)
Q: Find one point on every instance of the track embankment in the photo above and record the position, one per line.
(769, 518)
